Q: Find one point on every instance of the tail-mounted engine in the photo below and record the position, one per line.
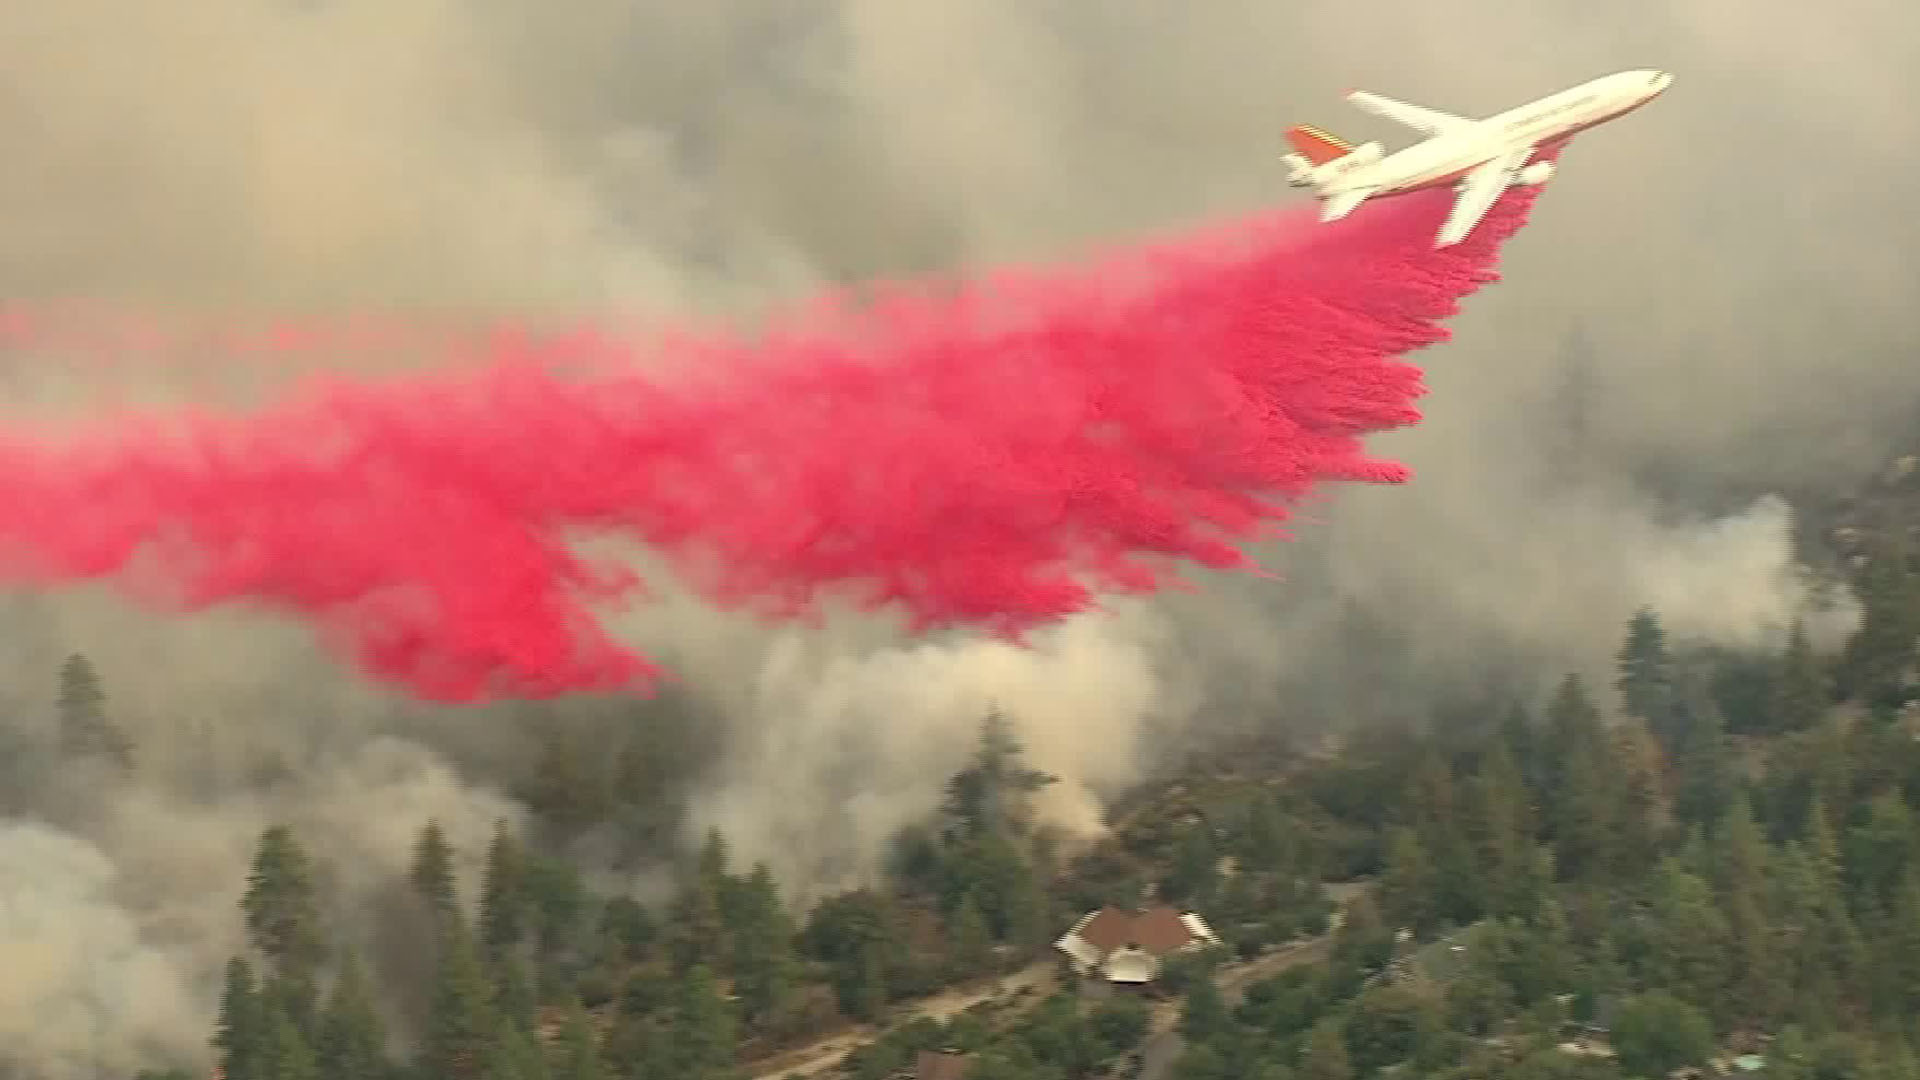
(1304, 173)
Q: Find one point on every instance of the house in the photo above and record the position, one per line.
(1129, 946)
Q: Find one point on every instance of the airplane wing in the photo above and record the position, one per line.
(1335, 207)
(1421, 119)
(1477, 192)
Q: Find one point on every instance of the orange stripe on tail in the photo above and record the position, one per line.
(1317, 146)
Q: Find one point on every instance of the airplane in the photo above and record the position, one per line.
(1480, 158)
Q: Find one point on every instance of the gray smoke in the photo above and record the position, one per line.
(1709, 310)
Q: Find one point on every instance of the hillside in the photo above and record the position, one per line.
(1685, 865)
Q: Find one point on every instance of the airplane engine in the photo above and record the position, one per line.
(1299, 170)
(1365, 154)
(1536, 173)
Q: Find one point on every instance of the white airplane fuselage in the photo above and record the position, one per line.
(1459, 150)
(1550, 119)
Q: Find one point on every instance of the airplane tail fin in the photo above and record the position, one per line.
(1317, 146)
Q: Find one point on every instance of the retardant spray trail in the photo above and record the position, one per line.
(997, 455)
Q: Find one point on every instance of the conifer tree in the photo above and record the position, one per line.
(352, 1042)
(241, 1036)
(281, 908)
(972, 941)
(462, 1027)
(432, 872)
(765, 968)
(503, 898)
(703, 1035)
(285, 1052)
(1874, 664)
(1646, 679)
(1802, 689)
(86, 731)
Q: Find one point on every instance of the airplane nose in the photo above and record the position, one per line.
(1659, 81)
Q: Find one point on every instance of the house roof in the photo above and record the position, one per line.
(940, 1065)
(1106, 929)
(1161, 930)
(1157, 930)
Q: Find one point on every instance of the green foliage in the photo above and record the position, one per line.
(1655, 871)
(85, 729)
(282, 913)
(432, 872)
(352, 1042)
(1646, 679)
(1658, 1032)
(240, 1035)
(505, 904)
(463, 1028)
(1874, 667)
(579, 1055)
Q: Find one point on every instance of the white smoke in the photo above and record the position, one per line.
(114, 930)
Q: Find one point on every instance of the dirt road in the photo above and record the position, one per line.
(1038, 979)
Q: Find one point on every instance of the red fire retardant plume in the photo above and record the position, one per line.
(995, 454)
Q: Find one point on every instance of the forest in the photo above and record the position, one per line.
(1714, 859)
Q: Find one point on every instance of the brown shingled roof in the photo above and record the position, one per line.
(1108, 930)
(1158, 930)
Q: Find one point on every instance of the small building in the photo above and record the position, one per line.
(1129, 946)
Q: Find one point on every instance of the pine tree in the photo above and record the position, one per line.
(990, 795)
(86, 731)
(1587, 790)
(765, 968)
(462, 1025)
(432, 872)
(1646, 681)
(285, 1053)
(282, 913)
(1874, 665)
(1434, 810)
(1407, 883)
(1503, 832)
(698, 918)
(1690, 937)
(503, 898)
(563, 791)
(703, 1034)
(972, 942)
(1802, 689)
(352, 1044)
(1704, 760)
(514, 996)
(1760, 987)
(241, 1036)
